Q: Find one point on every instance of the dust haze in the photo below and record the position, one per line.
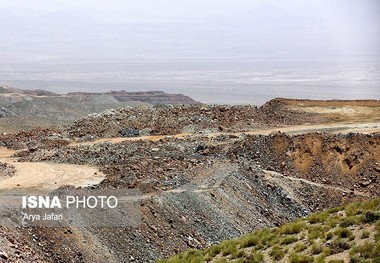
(214, 51)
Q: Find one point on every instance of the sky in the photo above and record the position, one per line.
(143, 43)
(177, 28)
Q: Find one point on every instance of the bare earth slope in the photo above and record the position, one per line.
(204, 178)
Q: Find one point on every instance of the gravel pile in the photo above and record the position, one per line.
(161, 120)
(6, 170)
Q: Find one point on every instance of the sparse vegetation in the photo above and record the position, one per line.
(249, 241)
(277, 253)
(299, 247)
(343, 232)
(318, 217)
(338, 245)
(292, 228)
(350, 221)
(229, 247)
(289, 240)
(315, 231)
(365, 234)
(316, 249)
(316, 238)
(300, 258)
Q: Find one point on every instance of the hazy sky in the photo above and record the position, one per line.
(194, 47)
(181, 28)
(165, 10)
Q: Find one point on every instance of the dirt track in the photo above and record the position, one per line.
(344, 128)
(275, 176)
(50, 176)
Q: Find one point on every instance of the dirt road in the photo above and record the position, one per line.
(344, 127)
(50, 176)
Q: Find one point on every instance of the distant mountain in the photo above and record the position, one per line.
(44, 108)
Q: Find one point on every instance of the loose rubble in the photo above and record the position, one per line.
(6, 170)
(197, 189)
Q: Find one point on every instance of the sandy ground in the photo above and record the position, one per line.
(4, 152)
(330, 128)
(344, 127)
(49, 176)
(122, 139)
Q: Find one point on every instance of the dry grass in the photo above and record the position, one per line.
(344, 234)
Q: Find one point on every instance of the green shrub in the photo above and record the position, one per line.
(338, 246)
(343, 232)
(371, 205)
(315, 232)
(353, 209)
(377, 229)
(249, 241)
(336, 261)
(256, 257)
(214, 250)
(229, 247)
(269, 239)
(299, 247)
(329, 235)
(300, 258)
(292, 228)
(316, 249)
(239, 254)
(376, 252)
(334, 210)
(365, 235)
(356, 259)
(207, 258)
(191, 256)
(365, 250)
(333, 221)
(371, 217)
(318, 217)
(326, 251)
(277, 253)
(350, 221)
(320, 259)
(288, 240)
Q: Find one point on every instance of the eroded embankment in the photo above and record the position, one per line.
(350, 160)
(199, 191)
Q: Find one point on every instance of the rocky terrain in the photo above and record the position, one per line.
(28, 109)
(341, 234)
(207, 173)
(6, 170)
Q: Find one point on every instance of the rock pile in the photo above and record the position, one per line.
(34, 139)
(161, 120)
(7, 170)
(16, 246)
